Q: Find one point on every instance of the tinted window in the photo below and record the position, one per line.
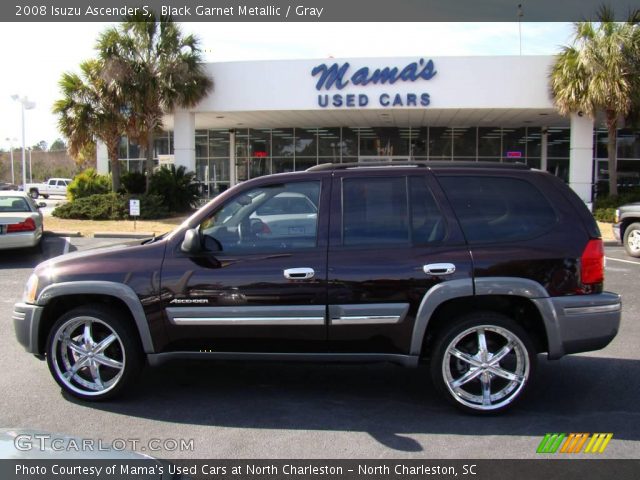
(264, 219)
(495, 209)
(376, 212)
(427, 223)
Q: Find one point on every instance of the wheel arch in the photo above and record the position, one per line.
(524, 300)
(62, 297)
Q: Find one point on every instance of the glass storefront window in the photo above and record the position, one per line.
(219, 143)
(306, 142)
(628, 143)
(489, 143)
(440, 143)
(302, 163)
(202, 146)
(282, 142)
(260, 142)
(349, 143)
(329, 144)
(134, 150)
(419, 142)
(534, 144)
(558, 142)
(282, 165)
(464, 143)
(514, 142)
(384, 141)
(259, 167)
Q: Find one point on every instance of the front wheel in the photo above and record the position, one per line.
(483, 362)
(93, 353)
(33, 193)
(632, 240)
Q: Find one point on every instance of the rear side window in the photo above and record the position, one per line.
(390, 211)
(497, 209)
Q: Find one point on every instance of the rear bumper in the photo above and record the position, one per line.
(26, 323)
(582, 323)
(20, 240)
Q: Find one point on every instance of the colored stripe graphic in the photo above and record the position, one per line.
(550, 443)
(574, 443)
(598, 443)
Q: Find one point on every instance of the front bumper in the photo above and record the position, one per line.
(26, 323)
(582, 323)
(616, 232)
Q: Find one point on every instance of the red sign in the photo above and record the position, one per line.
(260, 154)
(514, 154)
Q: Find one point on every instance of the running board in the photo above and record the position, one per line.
(155, 359)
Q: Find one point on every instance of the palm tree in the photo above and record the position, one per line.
(159, 69)
(598, 73)
(91, 109)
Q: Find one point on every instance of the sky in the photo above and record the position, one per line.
(35, 55)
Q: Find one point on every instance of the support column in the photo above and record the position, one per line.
(102, 158)
(544, 142)
(184, 140)
(232, 158)
(581, 157)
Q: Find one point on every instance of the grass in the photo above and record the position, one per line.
(88, 227)
(607, 233)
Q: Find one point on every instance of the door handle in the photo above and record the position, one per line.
(439, 268)
(303, 273)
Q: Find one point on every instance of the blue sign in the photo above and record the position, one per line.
(338, 76)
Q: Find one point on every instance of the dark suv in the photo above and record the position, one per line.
(474, 268)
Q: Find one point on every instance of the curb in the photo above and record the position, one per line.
(61, 233)
(123, 234)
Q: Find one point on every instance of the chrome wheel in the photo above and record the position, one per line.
(87, 355)
(633, 241)
(485, 367)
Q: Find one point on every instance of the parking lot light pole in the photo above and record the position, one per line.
(26, 105)
(11, 140)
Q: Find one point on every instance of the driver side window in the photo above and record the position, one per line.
(270, 218)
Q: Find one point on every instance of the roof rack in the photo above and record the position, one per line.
(418, 163)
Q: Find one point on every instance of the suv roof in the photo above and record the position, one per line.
(418, 163)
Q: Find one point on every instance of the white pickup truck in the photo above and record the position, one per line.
(53, 186)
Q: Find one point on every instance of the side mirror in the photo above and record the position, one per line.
(42, 205)
(191, 243)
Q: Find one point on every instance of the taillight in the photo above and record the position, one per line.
(27, 226)
(592, 263)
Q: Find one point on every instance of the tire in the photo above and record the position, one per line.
(463, 336)
(102, 374)
(33, 193)
(45, 196)
(631, 240)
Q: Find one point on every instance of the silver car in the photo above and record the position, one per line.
(20, 221)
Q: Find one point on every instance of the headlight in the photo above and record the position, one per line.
(30, 289)
(616, 219)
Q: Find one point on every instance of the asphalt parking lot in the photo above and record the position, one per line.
(250, 410)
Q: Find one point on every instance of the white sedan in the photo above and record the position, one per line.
(20, 221)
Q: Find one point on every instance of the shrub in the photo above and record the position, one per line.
(604, 214)
(87, 183)
(111, 206)
(176, 186)
(133, 182)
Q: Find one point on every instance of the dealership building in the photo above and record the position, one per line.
(266, 117)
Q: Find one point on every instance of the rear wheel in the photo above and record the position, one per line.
(33, 193)
(632, 240)
(483, 362)
(93, 353)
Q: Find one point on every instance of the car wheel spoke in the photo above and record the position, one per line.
(466, 378)
(485, 381)
(465, 357)
(108, 362)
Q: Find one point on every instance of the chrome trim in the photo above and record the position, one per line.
(439, 268)
(366, 320)
(302, 273)
(248, 320)
(615, 307)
